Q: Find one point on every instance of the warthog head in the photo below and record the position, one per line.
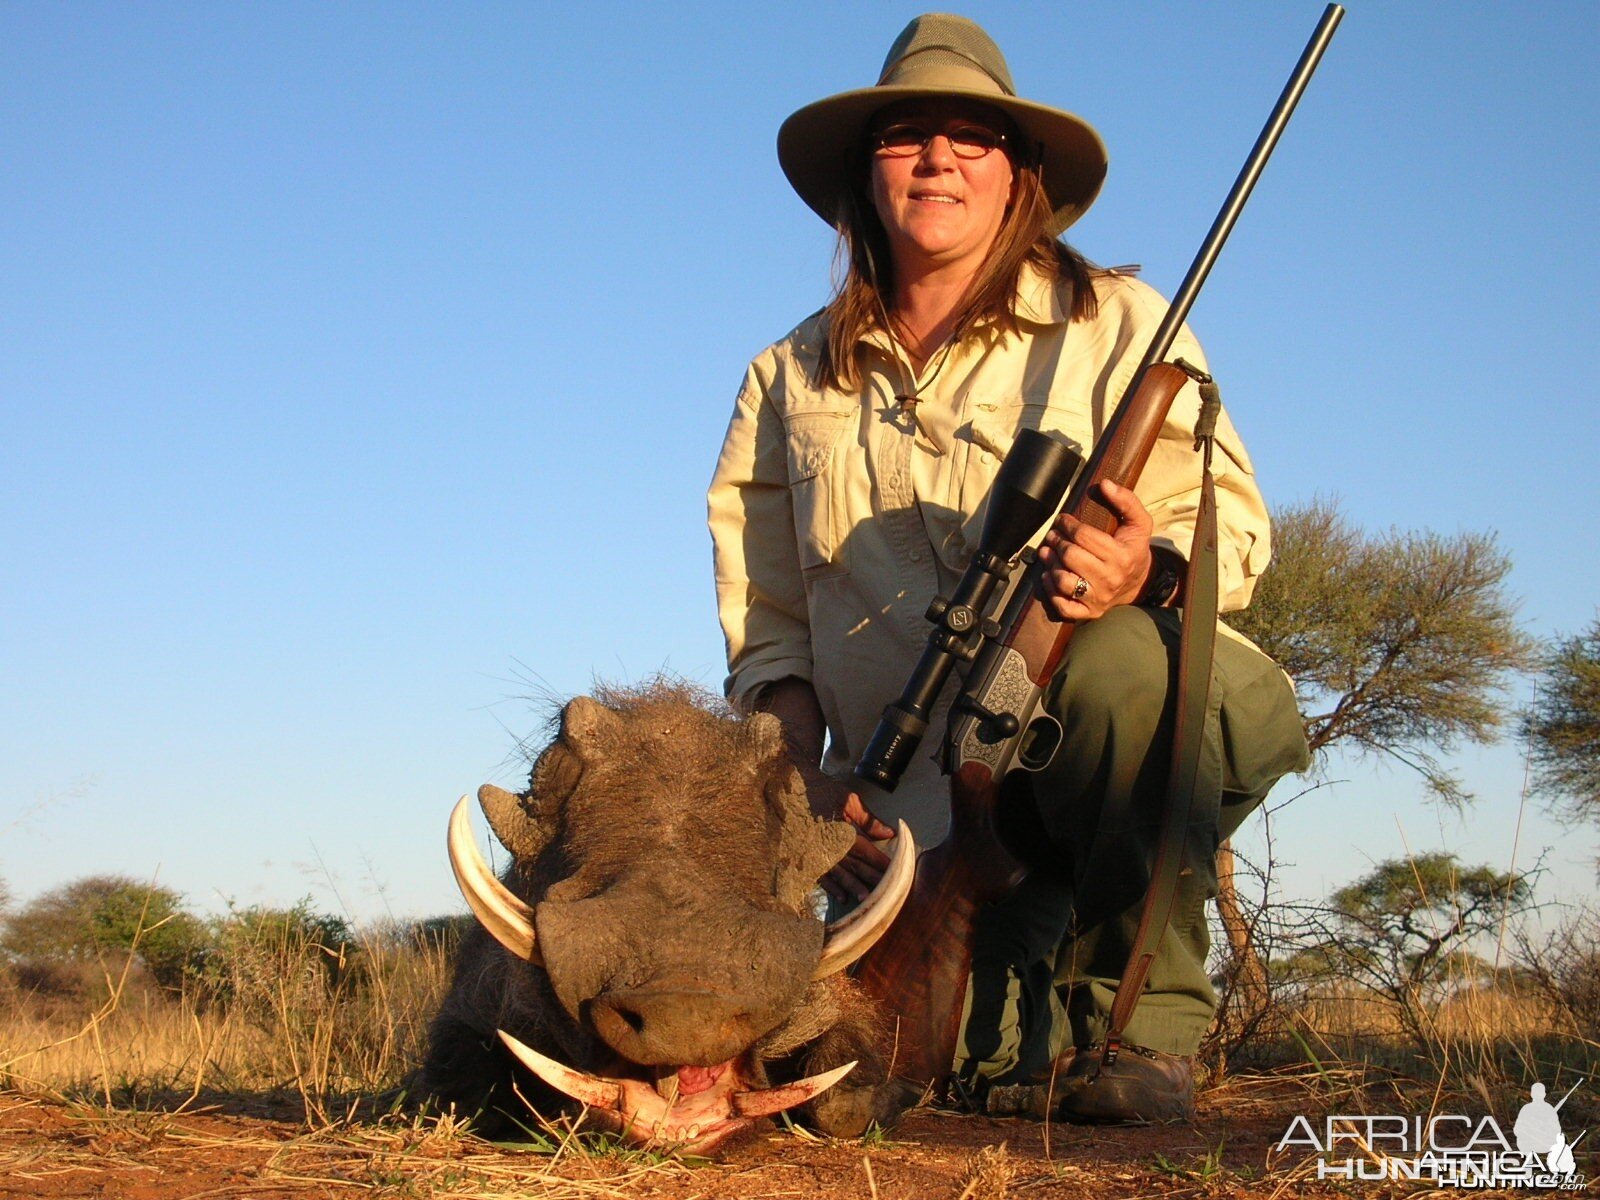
(659, 958)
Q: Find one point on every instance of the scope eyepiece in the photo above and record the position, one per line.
(889, 752)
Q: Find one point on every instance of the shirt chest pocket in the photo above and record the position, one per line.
(990, 434)
(814, 440)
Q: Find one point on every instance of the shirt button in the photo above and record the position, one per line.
(986, 457)
(915, 556)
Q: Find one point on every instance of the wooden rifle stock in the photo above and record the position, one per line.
(918, 970)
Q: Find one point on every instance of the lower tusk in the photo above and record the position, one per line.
(502, 913)
(586, 1089)
(775, 1100)
(853, 934)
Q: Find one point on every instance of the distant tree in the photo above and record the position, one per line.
(90, 916)
(1403, 928)
(1400, 644)
(1563, 724)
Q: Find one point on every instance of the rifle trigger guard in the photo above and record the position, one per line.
(1040, 743)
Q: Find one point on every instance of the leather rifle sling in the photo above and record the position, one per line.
(1195, 649)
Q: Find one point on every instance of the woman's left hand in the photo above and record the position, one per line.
(1089, 572)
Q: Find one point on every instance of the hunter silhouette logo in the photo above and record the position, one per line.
(1538, 1132)
(1450, 1150)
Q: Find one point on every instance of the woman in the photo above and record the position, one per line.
(851, 488)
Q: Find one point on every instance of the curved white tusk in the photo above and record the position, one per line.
(582, 1087)
(776, 1099)
(853, 934)
(502, 913)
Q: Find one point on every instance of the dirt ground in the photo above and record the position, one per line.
(52, 1150)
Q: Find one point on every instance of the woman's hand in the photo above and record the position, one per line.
(1089, 572)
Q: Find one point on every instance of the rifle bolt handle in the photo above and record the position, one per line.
(1004, 725)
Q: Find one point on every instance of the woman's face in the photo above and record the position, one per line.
(941, 210)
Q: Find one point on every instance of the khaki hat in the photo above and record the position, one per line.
(939, 55)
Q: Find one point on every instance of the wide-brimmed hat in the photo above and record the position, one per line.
(939, 55)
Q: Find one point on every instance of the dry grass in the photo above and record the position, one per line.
(1482, 1046)
(134, 1078)
(104, 1030)
(1474, 1015)
(989, 1174)
(421, 1157)
(151, 1079)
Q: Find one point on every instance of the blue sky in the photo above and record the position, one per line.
(362, 368)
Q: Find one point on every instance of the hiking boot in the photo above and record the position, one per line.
(1031, 1096)
(1058, 1070)
(1141, 1087)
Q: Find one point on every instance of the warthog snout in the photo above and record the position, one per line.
(682, 1024)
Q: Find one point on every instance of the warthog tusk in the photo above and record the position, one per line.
(775, 1100)
(650, 1111)
(502, 913)
(853, 934)
(586, 1089)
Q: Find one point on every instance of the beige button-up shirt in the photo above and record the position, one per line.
(836, 517)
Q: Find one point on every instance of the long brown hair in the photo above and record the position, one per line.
(861, 299)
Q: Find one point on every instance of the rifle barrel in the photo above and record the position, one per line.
(1568, 1096)
(1183, 300)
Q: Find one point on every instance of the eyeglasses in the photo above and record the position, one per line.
(966, 141)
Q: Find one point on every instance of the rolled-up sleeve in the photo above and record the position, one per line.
(1170, 489)
(761, 597)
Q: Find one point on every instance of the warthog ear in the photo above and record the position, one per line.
(526, 823)
(588, 726)
(518, 821)
(808, 847)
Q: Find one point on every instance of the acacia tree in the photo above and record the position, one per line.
(1403, 927)
(1400, 645)
(1563, 724)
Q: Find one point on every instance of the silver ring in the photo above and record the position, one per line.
(1080, 589)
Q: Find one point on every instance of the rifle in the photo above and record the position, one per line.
(919, 969)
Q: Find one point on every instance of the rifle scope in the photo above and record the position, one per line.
(1027, 492)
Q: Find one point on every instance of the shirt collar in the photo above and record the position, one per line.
(1037, 301)
(1038, 298)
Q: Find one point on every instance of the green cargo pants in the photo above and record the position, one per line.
(1049, 956)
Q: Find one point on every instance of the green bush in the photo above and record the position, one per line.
(266, 959)
(85, 919)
